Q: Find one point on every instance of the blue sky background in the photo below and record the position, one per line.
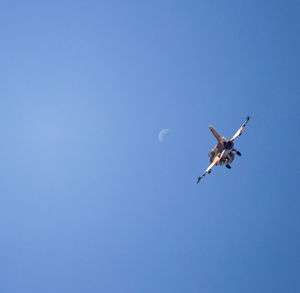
(91, 201)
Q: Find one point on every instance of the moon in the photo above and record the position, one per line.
(162, 134)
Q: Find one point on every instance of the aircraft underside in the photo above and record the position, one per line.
(224, 152)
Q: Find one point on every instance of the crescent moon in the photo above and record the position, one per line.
(162, 134)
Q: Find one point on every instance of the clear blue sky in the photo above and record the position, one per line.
(91, 201)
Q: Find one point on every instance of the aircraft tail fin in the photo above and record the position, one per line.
(216, 135)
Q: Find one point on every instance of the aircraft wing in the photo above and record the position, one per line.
(239, 132)
(214, 162)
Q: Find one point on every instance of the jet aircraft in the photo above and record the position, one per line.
(224, 151)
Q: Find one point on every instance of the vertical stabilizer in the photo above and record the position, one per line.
(217, 136)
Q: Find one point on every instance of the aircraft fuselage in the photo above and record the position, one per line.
(228, 156)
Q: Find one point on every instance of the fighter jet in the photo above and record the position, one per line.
(224, 151)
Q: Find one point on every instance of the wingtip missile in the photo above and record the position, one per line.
(199, 178)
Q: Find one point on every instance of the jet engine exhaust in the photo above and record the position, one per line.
(228, 145)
